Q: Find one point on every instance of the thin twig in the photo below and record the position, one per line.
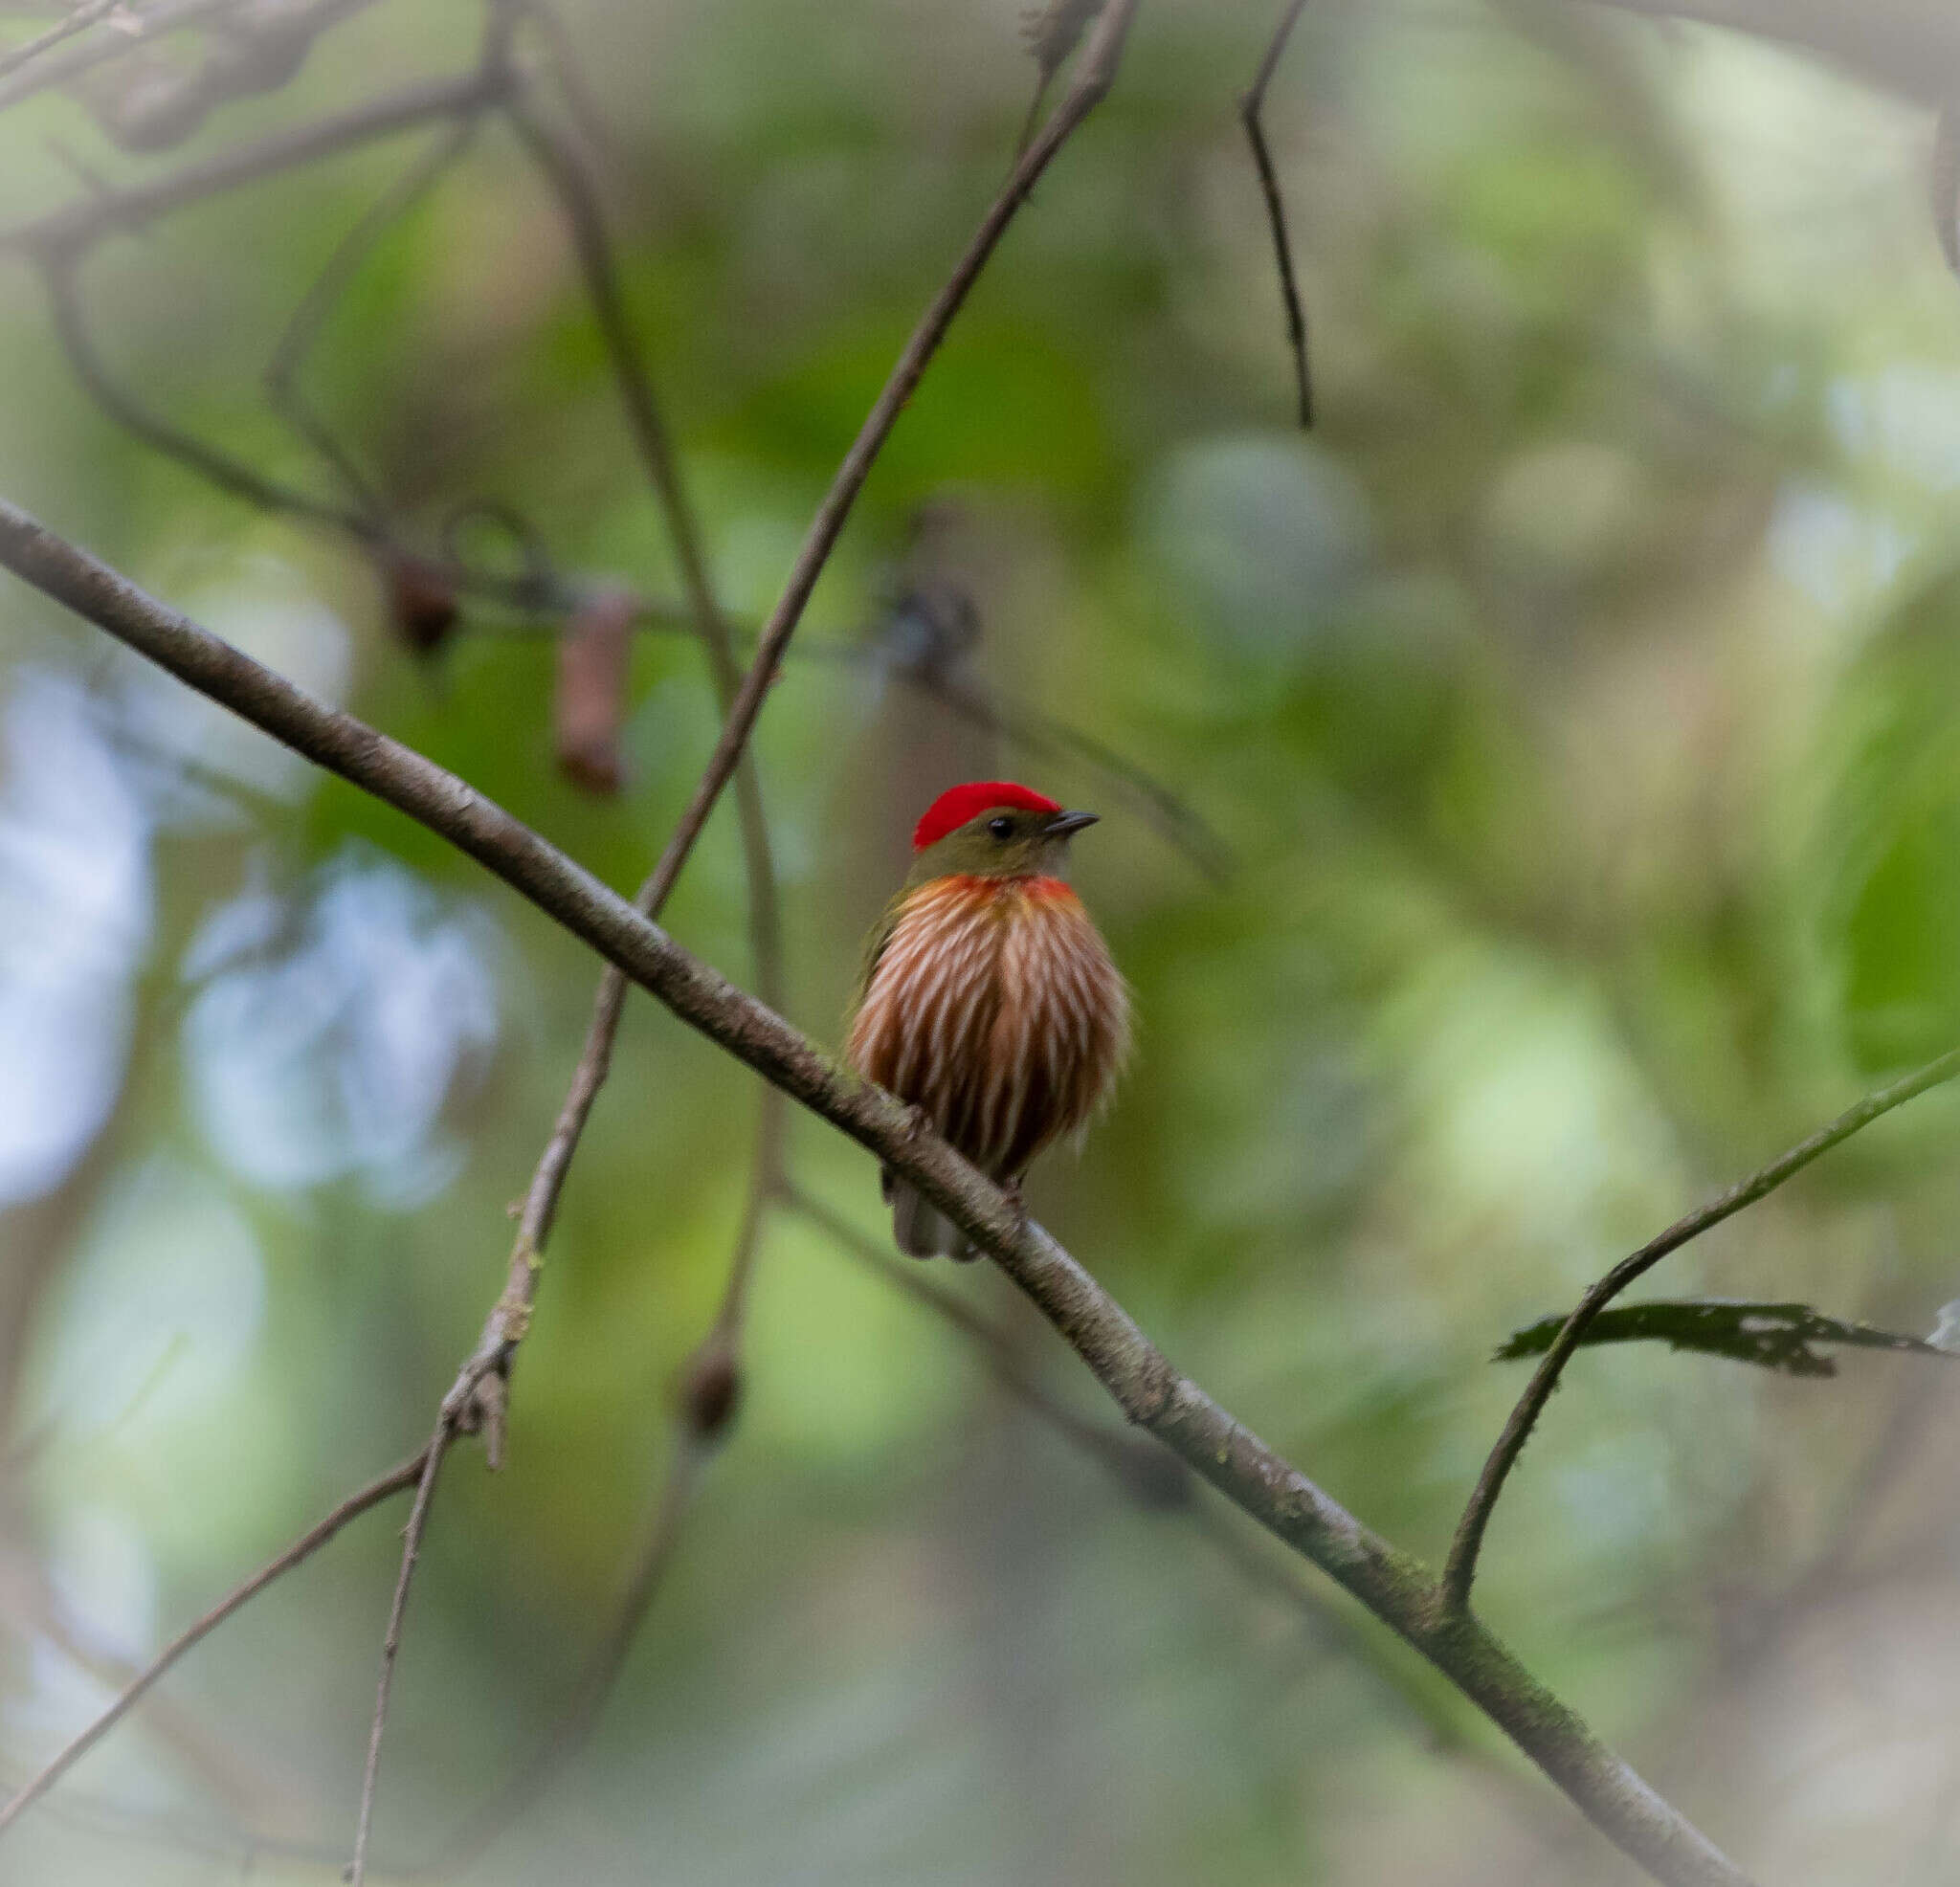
(560, 165)
(84, 16)
(90, 218)
(1460, 1570)
(1250, 108)
(561, 169)
(394, 1481)
(228, 1773)
(511, 1315)
(1397, 1588)
(151, 25)
(431, 1464)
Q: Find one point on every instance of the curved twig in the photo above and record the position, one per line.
(1460, 1569)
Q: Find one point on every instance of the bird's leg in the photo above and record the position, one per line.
(1017, 1205)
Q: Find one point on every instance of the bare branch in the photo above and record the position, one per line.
(92, 217)
(431, 1466)
(1052, 32)
(1397, 1588)
(1250, 109)
(533, 590)
(153, 24)
(1460, 1570)
(394, 1482)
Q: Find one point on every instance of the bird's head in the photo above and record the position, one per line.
(992, 828)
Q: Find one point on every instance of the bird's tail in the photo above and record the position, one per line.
(922, 1231)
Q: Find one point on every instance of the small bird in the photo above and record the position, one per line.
(988, 998)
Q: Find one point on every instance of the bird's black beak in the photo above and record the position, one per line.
(1065, 823)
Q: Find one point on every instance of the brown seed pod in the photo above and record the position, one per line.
(590, 704)
(422, 604)
(711, 1391)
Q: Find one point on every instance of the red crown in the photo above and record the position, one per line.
(954, 806)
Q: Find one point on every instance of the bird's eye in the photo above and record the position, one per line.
(1000, 828)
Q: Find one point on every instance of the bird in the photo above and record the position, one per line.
(988, 999)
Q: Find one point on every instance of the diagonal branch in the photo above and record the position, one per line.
(1397, 1588)
(151, 25)
(448, 1423)
(1460, 1570)
(78, 224)
(1251, 108)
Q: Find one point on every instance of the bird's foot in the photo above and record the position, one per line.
(1017, 1205)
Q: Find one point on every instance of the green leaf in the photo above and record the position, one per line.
(1770, 1335)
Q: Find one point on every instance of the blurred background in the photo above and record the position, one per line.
(1532, 800)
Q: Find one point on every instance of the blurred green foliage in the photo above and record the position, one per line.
(1577, 701)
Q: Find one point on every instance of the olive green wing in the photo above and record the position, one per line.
(874, 946)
